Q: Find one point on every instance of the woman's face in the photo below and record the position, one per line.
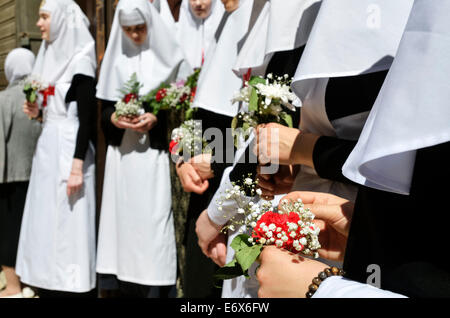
(230, 5)
(201, 8)
(44, 25)
(136, 33)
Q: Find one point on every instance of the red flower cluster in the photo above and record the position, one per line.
(273, 229)
(193, 92)
(129, 97)
(161, 94)
(173, 147)
(183, 98)
(50, 91)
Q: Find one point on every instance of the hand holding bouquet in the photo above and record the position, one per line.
(187, 140)
(130, 105)
(33, 85)
(291, 228)
(266, 101)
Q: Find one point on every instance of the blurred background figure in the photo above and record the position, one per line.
(18, 137)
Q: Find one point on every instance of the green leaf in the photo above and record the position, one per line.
(256, 80)
(240, 242)
(190, 113)
(234, 123)
(33, 97)
(287, 119)
(253, 104)
(247, 256)
(246, 127)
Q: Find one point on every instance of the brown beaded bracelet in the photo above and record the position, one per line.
(327, 272)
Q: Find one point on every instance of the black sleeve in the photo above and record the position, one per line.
(246, 166)
(159, 133)
(223, 123)
(113, 135)
(82, 91)
(329, 156)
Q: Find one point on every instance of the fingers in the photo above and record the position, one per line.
(267, 188)
(221, 254)
(218, 250)
(202, 188)
(73, 189)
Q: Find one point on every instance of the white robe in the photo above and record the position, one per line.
(137, 238)
(57, 240)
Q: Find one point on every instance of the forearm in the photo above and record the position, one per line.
(303, 150)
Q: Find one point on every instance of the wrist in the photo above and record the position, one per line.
(77, 167)
(304, 149)
(321, 277)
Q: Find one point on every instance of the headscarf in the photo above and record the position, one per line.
(18, 64)
(195, 35)
(218, 83)
(154, 62)
(71, 48)
(351, 37)
(412, 110)
(282, 26)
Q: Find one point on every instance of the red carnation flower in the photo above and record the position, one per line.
(279, 229)
(129, 97)
(162, 93)
(173, 147)
(193, 93)
(183, 98)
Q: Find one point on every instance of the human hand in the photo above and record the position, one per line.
(333, 217)
(285, 275)
(275, 143)
(75, 181)
(202, 164)
(145, 123)
(190, 180)
(123, 122)
(31, 109)
(206, 231)
(218, 250)
(279, 183)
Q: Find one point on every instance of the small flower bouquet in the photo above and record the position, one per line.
(33, 85)
(187, 140)
(266, 100)
(130, 105)
(176, 96)
(291, 228)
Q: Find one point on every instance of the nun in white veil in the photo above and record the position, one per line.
(136, 236)
(274, 45)
(197, 26)
(357, 41)
(57, 240)
(400, 162)
(216, 86)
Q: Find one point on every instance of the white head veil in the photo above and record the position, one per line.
(412, 110)
(155, 61)
(351, 37)
(18, 64)
(71, 49)
(218, 83)
(195, 35)
(166, 14)
(282, 26)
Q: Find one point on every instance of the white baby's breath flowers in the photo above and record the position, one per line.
(130, 109)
